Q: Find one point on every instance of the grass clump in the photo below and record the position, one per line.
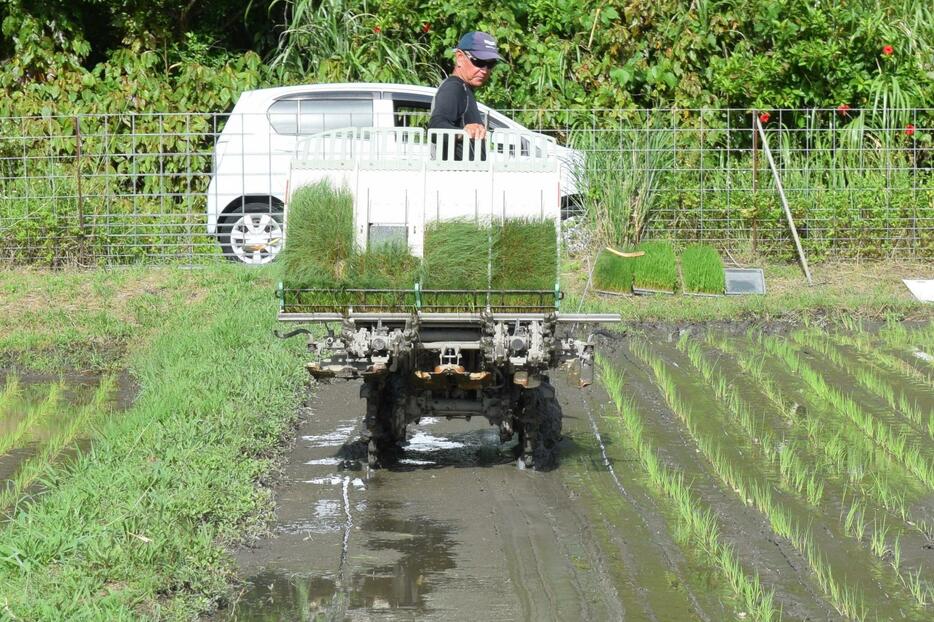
(656, 269)
(319, 236)
(613, 273)
(702, 270)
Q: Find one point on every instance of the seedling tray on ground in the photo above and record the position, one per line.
(644, 291)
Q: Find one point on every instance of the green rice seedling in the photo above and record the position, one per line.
(870, 381)
(33, 468)
(699, 525)
(886, 436)
(657, 269)
(525, 254)
(613, 273)
(319, 236)
(10, 394)
(878, 538)
(457, 254)
(919, 589)
(702, 270)
(34, 415)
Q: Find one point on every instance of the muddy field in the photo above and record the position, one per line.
(713, 474)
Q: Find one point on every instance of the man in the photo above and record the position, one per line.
(454, 105)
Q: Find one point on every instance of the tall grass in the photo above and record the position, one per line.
(625, 170)
(10, 393)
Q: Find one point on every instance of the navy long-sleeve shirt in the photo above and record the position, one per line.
(453, 107)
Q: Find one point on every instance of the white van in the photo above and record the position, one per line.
(253, 153)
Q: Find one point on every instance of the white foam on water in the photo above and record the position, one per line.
(333, 480)
(358, 484)
(330, 439)
(429, 421)
(412, 461)
(424, 442)
(328, 508)
(325, 462)
(924, 356)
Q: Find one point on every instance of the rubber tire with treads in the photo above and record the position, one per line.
(541, 428)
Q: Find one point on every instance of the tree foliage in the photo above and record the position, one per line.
(562, 53)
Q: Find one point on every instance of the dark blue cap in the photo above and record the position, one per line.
(480, 45)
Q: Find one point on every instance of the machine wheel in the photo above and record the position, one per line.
(385, 422)
(540, 431)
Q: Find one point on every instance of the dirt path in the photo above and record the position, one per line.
(458, 532)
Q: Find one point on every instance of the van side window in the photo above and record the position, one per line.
(305, 116)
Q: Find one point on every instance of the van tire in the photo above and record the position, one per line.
(256, 224)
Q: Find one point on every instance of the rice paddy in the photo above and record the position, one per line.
(818, 443)
(39, 421)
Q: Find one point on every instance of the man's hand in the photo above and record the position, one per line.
(475, 130)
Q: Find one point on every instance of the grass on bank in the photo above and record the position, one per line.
(135, 527)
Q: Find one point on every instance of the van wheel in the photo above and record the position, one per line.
(252, 234)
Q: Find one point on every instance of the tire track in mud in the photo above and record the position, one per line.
(455, 532)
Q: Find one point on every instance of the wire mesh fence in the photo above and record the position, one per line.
(194, 187)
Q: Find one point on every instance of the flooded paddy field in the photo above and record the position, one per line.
(713, 473)
(44, 417)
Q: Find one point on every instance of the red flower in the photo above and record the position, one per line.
(377, 29)
(426, 27)
(764, 117)
(888, 50)
(843, 108)
(909, 130)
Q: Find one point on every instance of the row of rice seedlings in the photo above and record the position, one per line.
(11, 393)
(702, 270)
(793, 470)
(860, 341)
(870, 381)
(843, 597)
(856, 525)
(839, 450)
(699, 526)
(34, 415)
(32, 469)
(896, 335)
(894, 441)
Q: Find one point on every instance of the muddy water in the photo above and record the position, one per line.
(77, 390)
(457, 532)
